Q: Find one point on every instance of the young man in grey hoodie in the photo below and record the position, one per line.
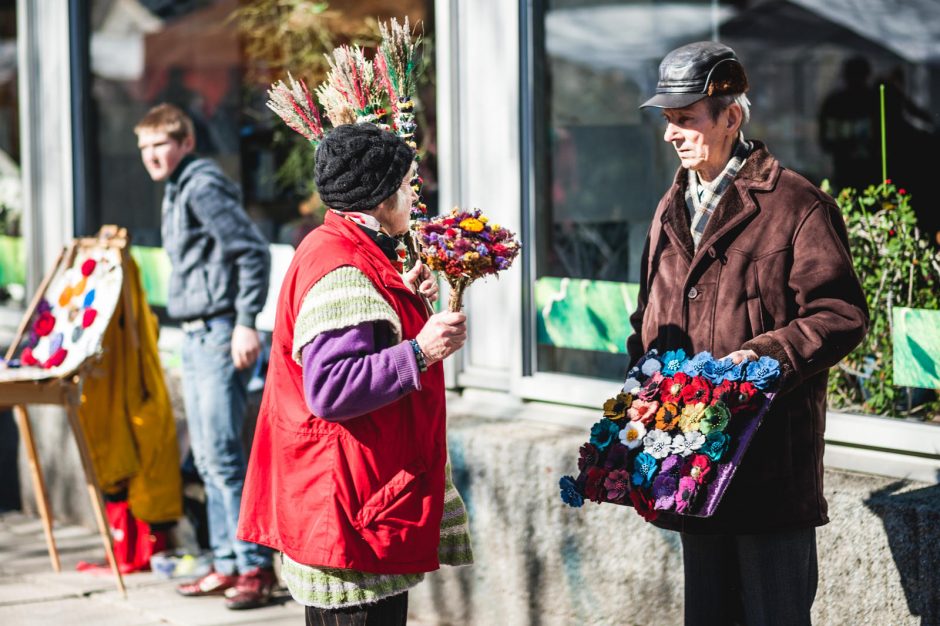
(218, 284)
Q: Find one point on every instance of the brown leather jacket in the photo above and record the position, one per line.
(772, 274)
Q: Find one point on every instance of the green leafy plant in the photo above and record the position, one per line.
(897, 266)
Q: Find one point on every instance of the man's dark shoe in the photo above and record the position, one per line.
(252, 589)
(212, 584)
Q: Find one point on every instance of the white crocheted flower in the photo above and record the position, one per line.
(632, 434)
(687, 443)
(657, 443)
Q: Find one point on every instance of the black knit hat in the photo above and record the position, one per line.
(360, 165)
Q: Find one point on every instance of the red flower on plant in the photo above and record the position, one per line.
(44, 324)
(902, 191)
(698, 390)
(643, 505)
(594, 486)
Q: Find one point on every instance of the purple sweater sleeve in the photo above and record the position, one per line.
(348, 372)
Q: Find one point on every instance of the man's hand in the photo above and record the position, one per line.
(420, 280)
(742, 355)
(246, 346)
(442, 335)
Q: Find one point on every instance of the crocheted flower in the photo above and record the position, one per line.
(695, 365)
(603, 433)
(715, 419)
(672, 464)
(698, 390)
(691, 417)
(667, 417)
(715, 370)
(650, 389)
(763, 372)
(644, 468)
(643, 505)
(663, 492)
(43, 307)
(698, 468)
(736, 373)
(650, 367)
(618, 457)
(631, 385)
(589, 456)
(617, 484)
(643, 411)
(687, 443)
(44, 324)
(671, 388)
(716, 445)
(569, 492)
(673, 361)
(88, 267)
(685, 496)
(616, 408)
(594, 484)
(89, 299)
(632, 434)
(657, 443)
(55, 342)
(637, 370)
(745, 400)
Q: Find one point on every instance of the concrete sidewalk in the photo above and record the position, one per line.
(31, 593)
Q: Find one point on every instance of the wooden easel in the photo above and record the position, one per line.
(66, 392)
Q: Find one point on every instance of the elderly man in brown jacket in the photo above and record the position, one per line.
(746, 258)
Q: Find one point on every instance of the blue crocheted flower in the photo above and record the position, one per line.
(736, 373)
(569, 492)
(603, 433)
(715, 446)
(763, 372)
(716, 369)
(644, 468)
(673, 361)
(696, 365)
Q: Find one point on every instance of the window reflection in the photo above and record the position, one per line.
(601, 164)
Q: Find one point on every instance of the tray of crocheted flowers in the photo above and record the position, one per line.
(673, 438)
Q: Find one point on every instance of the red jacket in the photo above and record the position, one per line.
(365, 494)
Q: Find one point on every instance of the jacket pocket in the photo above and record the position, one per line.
(396, 494)
(755, 312)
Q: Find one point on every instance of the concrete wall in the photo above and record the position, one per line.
(541, 562)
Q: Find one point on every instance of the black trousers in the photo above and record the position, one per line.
(388, 612)
(757, 580)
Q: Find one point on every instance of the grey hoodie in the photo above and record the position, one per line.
(220, 261)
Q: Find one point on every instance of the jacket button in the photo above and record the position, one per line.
(712, 252)
(693, 293)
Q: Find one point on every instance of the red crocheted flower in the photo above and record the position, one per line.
(698, 390)
(643, 505)
(594, 487)
(88, 317)
(27, 358)
(672, 386)
(88, 267)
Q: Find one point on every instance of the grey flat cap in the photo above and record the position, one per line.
(697, 70)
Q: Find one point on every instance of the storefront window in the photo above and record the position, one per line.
(601, 165)
(193, 54)
(12, 253)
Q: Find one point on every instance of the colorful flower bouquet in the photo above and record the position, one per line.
(673, 438)
(465, 245)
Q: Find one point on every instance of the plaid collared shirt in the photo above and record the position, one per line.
(702, 198)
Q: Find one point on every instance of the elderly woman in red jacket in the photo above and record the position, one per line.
(348, 475)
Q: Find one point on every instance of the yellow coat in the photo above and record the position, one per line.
(127, 415)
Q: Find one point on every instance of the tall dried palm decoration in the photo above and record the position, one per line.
(358, 90)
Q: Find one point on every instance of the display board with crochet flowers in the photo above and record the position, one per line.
(70, 317)
(672, 440)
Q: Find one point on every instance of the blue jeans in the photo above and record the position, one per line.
(215, 397)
